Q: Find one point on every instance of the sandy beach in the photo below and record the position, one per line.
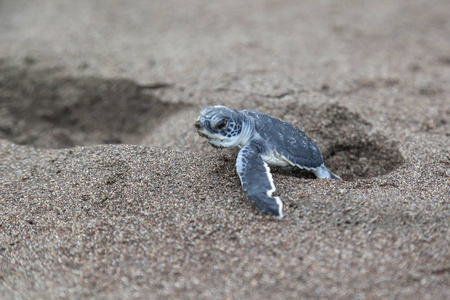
(108, 192)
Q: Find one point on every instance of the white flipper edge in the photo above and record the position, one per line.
(257, 181)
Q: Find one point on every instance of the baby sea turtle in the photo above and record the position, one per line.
(263, 140)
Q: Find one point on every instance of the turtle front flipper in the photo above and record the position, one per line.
(256, 179)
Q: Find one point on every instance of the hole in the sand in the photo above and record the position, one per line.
(46, 111)
(348, 147)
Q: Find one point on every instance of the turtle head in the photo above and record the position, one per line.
(221, 125)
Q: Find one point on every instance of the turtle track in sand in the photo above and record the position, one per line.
(40, 109)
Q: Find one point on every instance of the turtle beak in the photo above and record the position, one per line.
(198, 125)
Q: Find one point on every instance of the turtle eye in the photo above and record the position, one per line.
(222, 124)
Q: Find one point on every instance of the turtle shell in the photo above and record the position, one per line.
(287, 140)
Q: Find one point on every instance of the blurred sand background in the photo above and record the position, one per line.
(106, 190)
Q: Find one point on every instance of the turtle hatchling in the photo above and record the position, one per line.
(264, 140)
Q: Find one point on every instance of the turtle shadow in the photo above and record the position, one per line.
(294, 172)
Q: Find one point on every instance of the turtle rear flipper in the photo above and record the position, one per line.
(323, 172)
